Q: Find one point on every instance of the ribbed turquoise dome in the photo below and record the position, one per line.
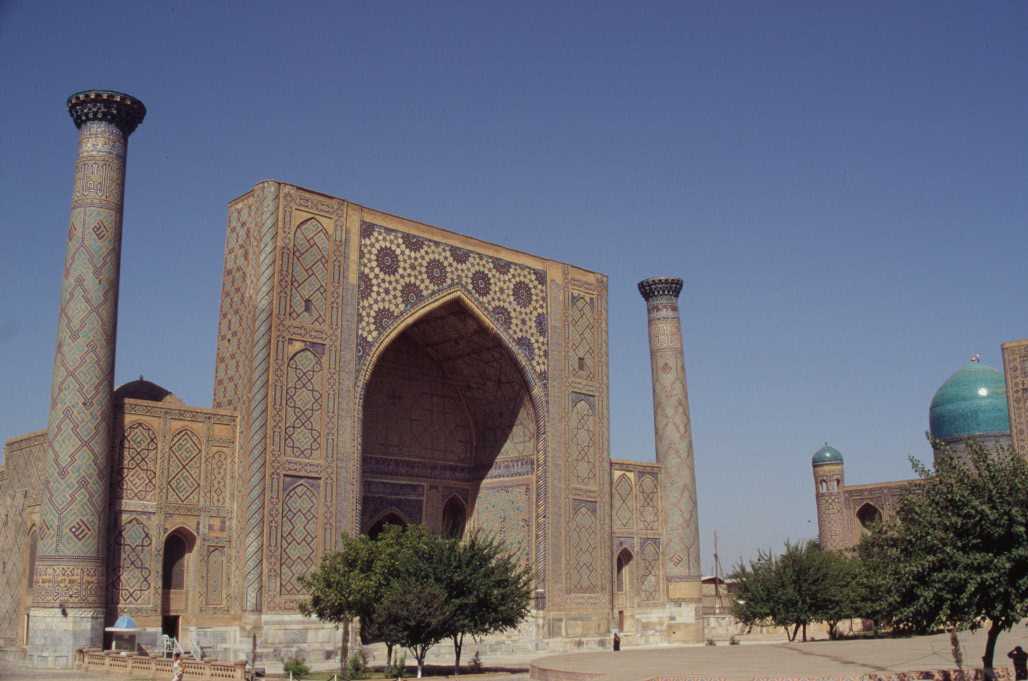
(972, 402)
(826, 454)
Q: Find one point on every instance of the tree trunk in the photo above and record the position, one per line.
(954, 644)
(990, 649)
(795, 630)
(458, 644)
(389, 654)
(344, 669)
(804, 632)
(419, 655)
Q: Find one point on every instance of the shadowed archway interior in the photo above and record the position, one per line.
(446, 410)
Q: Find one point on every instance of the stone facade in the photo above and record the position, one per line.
(846, 512)
(1015, 367)
(369, 369)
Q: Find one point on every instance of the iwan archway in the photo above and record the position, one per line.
(450, 429)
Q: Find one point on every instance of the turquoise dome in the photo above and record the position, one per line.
(826, 454)
(972, 402)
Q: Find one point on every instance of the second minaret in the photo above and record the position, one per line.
(673, 440)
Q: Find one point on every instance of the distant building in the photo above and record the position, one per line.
(975, 403)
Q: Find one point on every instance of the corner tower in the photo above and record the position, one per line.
(68, 595)
(673, 439)
(829, 478)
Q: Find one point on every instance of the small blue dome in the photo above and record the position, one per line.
(972, 402)
(125, 622)
(826, 454)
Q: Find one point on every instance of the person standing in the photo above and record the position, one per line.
(1020, 659)
(176, 667)
(617, 642)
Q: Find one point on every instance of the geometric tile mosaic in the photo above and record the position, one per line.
(184, 468)
(399, 270)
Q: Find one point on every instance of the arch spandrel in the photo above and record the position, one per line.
(399, 271)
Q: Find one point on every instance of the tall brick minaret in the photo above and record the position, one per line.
(68, 594)
(681, 531)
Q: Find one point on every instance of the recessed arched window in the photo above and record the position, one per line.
(624, 558)
(33, 545)
(868, 515)
(823, 486)
(176, 549)
(454, 519)
(385, 521)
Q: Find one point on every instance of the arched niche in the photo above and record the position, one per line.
(445, 402)
(621, 581)
(455, 518)
(869, 515)
(388, 519)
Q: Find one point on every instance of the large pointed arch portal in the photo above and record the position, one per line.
(448, 422)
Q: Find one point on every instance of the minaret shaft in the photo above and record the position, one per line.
(68, 592)
(673, 439)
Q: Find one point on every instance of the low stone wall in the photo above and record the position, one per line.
(158, 668)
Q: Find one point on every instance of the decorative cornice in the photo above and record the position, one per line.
(660, 287)
(124, 111)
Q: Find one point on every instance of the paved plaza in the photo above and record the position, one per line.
(814, 660)
(818, 659)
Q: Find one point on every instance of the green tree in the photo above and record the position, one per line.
(416, 613)
(414, 608)
(487, 587)
(839, 599)
(395, 552)
(958, 553)
(756, 599)
(344, 586)
(873, 595)
(791, 590)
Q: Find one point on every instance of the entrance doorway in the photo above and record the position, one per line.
(169, 626)
(176, 576)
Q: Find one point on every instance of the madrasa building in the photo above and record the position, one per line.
(977, 403)
(370, 369)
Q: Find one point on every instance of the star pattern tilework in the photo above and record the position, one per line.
(399, 270)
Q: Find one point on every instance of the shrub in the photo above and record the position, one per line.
(733, 641)
(296, 667)
(476, 663)
(398, 669)
(711, 642)
(358, 665)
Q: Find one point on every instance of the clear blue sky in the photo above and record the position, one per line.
(843, 187)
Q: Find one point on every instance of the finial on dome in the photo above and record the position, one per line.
(976, 358)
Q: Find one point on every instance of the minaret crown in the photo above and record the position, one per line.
(660, 287)
(124, 111)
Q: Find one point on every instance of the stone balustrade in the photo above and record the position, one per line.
(158, 667)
